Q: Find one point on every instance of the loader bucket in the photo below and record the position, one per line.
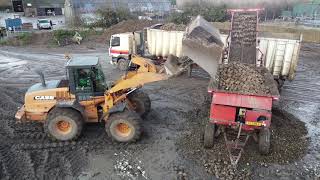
(203, 45)
(172, 66)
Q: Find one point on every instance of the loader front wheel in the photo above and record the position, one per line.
(123, 64)
(208, 137)
(63, 124)
(124, 126)
(140, 102)
(264, 141)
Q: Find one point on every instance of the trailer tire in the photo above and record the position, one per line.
(123, 64)
(208, 137)
(124, 126)
(264, 141)
(141, 102)
(63, 124)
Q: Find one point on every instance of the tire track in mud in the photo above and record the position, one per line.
(27, 153)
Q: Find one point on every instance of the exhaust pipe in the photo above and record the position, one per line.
(43, 81)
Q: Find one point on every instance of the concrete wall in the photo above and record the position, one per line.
(309, 34)
(5, 3)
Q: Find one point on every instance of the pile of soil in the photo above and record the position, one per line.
(123, 27)
(288, 144)
(243, 38)
(34, 39)
(173, 27)
(244, 78)
(42, 38)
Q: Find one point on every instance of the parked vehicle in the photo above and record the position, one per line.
(279, 55)
(44, 24)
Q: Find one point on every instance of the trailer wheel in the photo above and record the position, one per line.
(208, 137)
(123, 64)
(264, 141)
(63, 124)
(140, 102)
(124, 126)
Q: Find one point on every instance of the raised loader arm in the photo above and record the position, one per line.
(146, 72)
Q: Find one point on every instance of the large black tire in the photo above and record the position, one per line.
(209, 133)
(264, 141)
(124, 126)
(63, 124)
(141, 102)
(123, 64)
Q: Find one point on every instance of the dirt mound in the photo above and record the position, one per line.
(288, 144)
(42, 38)
(32, 39)
(125, 26)
(173, 27)
(244, 78)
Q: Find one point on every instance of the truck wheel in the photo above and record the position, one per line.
(140, 102)
(264, 141)
(124, 126)
(63, 124)
(208, 137)
(280, 83)
(123, 64)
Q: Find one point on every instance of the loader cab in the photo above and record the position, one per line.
(86, 78)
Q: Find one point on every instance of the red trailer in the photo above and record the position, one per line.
(246, 114)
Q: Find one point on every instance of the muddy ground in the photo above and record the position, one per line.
(170, 147)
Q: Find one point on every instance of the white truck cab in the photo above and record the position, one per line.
(122, 46)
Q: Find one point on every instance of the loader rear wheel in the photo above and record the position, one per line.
(264, 141)
(123, 64)
(63, 124)
(208, 137)
(124, 126)
(140, 102)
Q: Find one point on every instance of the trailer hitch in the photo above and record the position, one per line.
(236, 146)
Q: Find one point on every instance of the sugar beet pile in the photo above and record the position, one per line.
(244, 35)
(244, 78)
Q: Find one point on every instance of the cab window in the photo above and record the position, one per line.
(83, 80)
(115, 41)
(99, 84)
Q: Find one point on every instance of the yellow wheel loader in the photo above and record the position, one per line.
(64, 106)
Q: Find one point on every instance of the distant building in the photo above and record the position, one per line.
(5, 4)
(234, 3)
(88, 6)
(43, 7)
(133, 5)
(150, 5)
(309, 9)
